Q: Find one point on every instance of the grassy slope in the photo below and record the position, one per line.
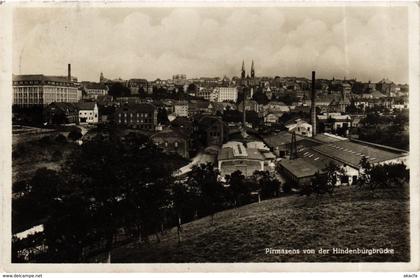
(349, 219)
(38, 155)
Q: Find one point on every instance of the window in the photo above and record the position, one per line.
(176, 144)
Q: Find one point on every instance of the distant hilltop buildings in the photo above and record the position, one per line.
(39, 89)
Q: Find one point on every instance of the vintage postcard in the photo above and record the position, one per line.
(198, 136)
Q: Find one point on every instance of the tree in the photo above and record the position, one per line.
(269, 185)
(75, 134)
(183, 204)
(319, 183)
(192, 89)
(210, 190)
(287, 187)
(237, 187)
(162, 116)
(125, 184)
(260, 97)
(61, 139)
(117, 89)
(45, 185)
(69, 230)
(365, 172)
(334, 174)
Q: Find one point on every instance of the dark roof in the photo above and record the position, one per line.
(93, 85)
(144, 107)
(179, 121)
(169, 134)
(199, 104)
(318, 160)
(351, 153)
(227, 153)
(328, 138)
(41, 78)
(86, 105)
(207, 121)
(299, 167)
(64, 106)
(279, 139)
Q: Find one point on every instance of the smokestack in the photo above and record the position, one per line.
(69, 72)
(313, 106)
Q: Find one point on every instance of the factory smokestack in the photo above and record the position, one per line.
(313, 106)
(69, 72)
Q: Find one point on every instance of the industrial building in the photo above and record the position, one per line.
(41, 90)
(235, 156)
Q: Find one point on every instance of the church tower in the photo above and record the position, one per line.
(252, 70)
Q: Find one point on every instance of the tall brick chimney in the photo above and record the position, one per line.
(69, 72)
(313, 106)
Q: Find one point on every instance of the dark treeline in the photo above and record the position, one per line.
(112, 184)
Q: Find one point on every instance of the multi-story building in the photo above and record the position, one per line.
(172, 142)
(300, 127)
(41, 90)
(181, 109)
(212, 130)
(93, 90)
(61, 113)
(249, 105)
(179, 79)
(206, 93)
(137, 115)
(135, 85)
(226, 94)
(88, 112)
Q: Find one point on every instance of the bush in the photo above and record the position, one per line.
(383, 176)
(20, 151)
(57, 155)
(75, 134)
(287, 187)
(61, 139)
(44, 141)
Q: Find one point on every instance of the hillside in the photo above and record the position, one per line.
(349, 218)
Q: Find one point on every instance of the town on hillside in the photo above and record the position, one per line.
(147, 156)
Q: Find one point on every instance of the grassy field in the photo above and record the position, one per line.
(349, 219)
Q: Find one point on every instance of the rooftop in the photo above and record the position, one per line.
(86, 105)
(41, 78)
(351, 153)
(236, 150)
(144, 107)
(299, 167)
(328, 138)
(281, 138)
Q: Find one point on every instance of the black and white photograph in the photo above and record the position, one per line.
(159, 134)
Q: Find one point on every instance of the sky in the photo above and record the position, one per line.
(367, 43)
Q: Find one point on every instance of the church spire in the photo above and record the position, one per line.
(252, 70)
(243, 70)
